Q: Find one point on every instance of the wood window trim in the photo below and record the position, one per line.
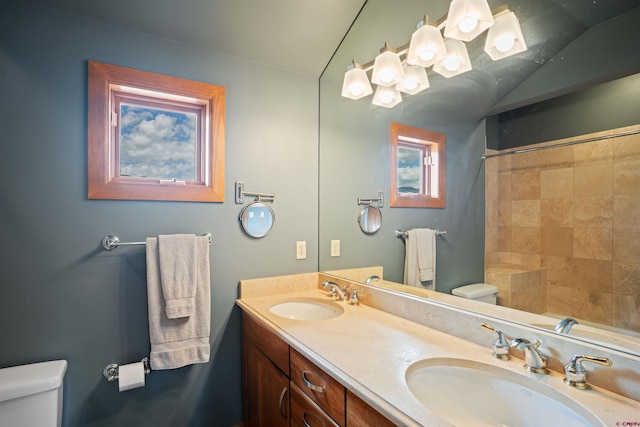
(102, 181)
(437, 141)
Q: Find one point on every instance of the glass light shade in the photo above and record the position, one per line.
(426, 46)
(415, 80)
(467, 19)
(356, 83)
(387, 69)
(457, 60)
(386, 97)
(505, 37)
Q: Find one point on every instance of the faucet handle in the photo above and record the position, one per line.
(353, 299)
(535, 360)
(500, 345)
(574, 373)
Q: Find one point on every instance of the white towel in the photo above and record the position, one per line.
(420, 258)
(177, 255)
(184, 341)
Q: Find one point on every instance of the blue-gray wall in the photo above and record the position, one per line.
(61, 295)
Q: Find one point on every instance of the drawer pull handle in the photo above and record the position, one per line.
(281, 401)
(304, 420)
(319, 389)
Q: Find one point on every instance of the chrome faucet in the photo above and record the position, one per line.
(335, 291)
(534, 360)
(574, 373)
(565, 325)
(353, 299)
(500, 345)
(371, 279)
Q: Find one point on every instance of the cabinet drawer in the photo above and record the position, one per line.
(305, 413)
(268, 342)
(360, 414)
(319, 386)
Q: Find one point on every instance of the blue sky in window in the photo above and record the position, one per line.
(409, 168)
(157, 143)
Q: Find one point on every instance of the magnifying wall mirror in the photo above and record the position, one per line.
(370, 219)
(257, 219)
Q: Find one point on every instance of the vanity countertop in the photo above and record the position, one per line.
(369, 351)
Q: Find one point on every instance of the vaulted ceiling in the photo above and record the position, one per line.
(302, 35)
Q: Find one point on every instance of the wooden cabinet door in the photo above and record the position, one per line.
(266, 390)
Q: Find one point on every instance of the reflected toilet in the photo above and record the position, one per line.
(478, 291)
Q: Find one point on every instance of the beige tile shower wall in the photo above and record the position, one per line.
(576, 211)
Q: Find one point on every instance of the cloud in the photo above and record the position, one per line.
(157, 143)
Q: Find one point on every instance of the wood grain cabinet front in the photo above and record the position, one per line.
(265, 376)
(282, 388)
(326, 392)
(305, 412)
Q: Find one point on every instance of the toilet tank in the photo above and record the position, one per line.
(31, 395)
(477, 291)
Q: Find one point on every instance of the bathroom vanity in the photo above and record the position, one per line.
(310, 360)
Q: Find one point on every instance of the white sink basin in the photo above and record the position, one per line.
(465, 392)
(307, 309)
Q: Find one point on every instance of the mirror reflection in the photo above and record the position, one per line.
(257, 219)
(605, 272)
(370, 219)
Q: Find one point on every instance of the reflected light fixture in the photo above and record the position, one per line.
(386, 97)
(415, 80)
(387, 67)
(404, 69)
(457, 60)
(356, 83)
(426, 46)
(505, 37)
(467, 19)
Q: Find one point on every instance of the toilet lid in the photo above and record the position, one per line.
(476, 290)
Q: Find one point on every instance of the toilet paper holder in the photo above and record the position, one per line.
(111, 371)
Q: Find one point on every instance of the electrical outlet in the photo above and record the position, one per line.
(301, 249)
(335, 248)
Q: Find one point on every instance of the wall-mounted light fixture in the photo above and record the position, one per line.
(415, 80)
(456, 61)
(386, 97)
(505, 37)
(387, 67)
(404, 69)
(467, 19)
(356, 83)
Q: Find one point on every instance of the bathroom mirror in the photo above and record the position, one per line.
(257, 219)
(370, 219)
(355, 135)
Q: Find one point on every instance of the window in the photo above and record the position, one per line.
(418, 167)
(154, 137)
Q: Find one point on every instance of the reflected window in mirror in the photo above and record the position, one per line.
(154, 137)
(418, 167)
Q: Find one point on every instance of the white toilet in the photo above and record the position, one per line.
(31, 395)
(477, 291)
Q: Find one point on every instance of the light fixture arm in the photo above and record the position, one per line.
(370, 201)
(260, 197)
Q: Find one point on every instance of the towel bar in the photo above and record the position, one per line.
(110, 242)
(404, 234)
(111, 372)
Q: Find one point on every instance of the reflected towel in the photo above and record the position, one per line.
(420, 258)
(183, 341)
(177, 254)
